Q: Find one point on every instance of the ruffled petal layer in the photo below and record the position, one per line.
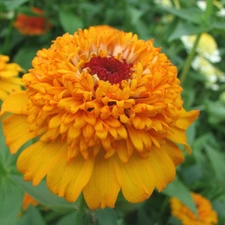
(3, 95)
(174, 152)
(186, 118)
(16, 131)
(38, 160)
(16, 103)
(68, 178)
(163, 167)
(136, 178)
(178, 135)
(103, 187)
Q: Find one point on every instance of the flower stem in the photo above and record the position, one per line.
(83, 214)
(208, 12)
(189, 59)
(206, 22)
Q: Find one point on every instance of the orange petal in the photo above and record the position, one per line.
(68, 178)
(186, 118)
(122, 150)
(16, 103)
(178, 135)
(10, 85)
(103, 187)
(16, 131)
(162, 166)
(136, 178)
(38, 159)
(3, 95)
(174, 152)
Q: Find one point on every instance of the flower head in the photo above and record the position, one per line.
(108, 110)
(32, 25)
(207, 46)
(8, 77)
(206, 215)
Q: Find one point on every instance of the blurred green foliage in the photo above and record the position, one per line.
(202, 172)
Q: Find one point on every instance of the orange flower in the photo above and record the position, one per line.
(108, 110)
(8, 80)
(32, 25)
(28, 200)
(206, 215)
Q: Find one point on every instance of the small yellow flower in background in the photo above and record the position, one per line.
(9, 81)
(211, 74)
(108, 109)
(207, 46)
(206, 214)
(27, 201)
(221, 10)
(32, 25)
(165, 3)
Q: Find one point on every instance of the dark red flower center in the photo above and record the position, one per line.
(109, 69)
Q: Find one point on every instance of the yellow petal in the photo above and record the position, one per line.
(186, 118)
(3, 95)
(135, 136)
(162, 166)
(103, 187)
(38, 159)
(122, 150)
(174, 152)
(16, 103)
(179, 136)
(68, 178)
(136, 178)
(10, 85)
(16, 131)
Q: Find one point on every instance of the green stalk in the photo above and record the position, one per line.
(83, 216)
(189, 59)
(206, 22)
(208, 12)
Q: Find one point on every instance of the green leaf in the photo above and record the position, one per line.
(68, 219)
(83, 217)
(218, 26)
(11, 197)
(217, 160)
(25, 56)
(191, 131)
(105, 216)
(43, 195)
(216, 112)
(31, 217)
(193, 15)
(12, 4)
(178, 190)
(69, 20)
(134, 14)
(184, 28)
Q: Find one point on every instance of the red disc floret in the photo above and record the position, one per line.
(110, 69)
